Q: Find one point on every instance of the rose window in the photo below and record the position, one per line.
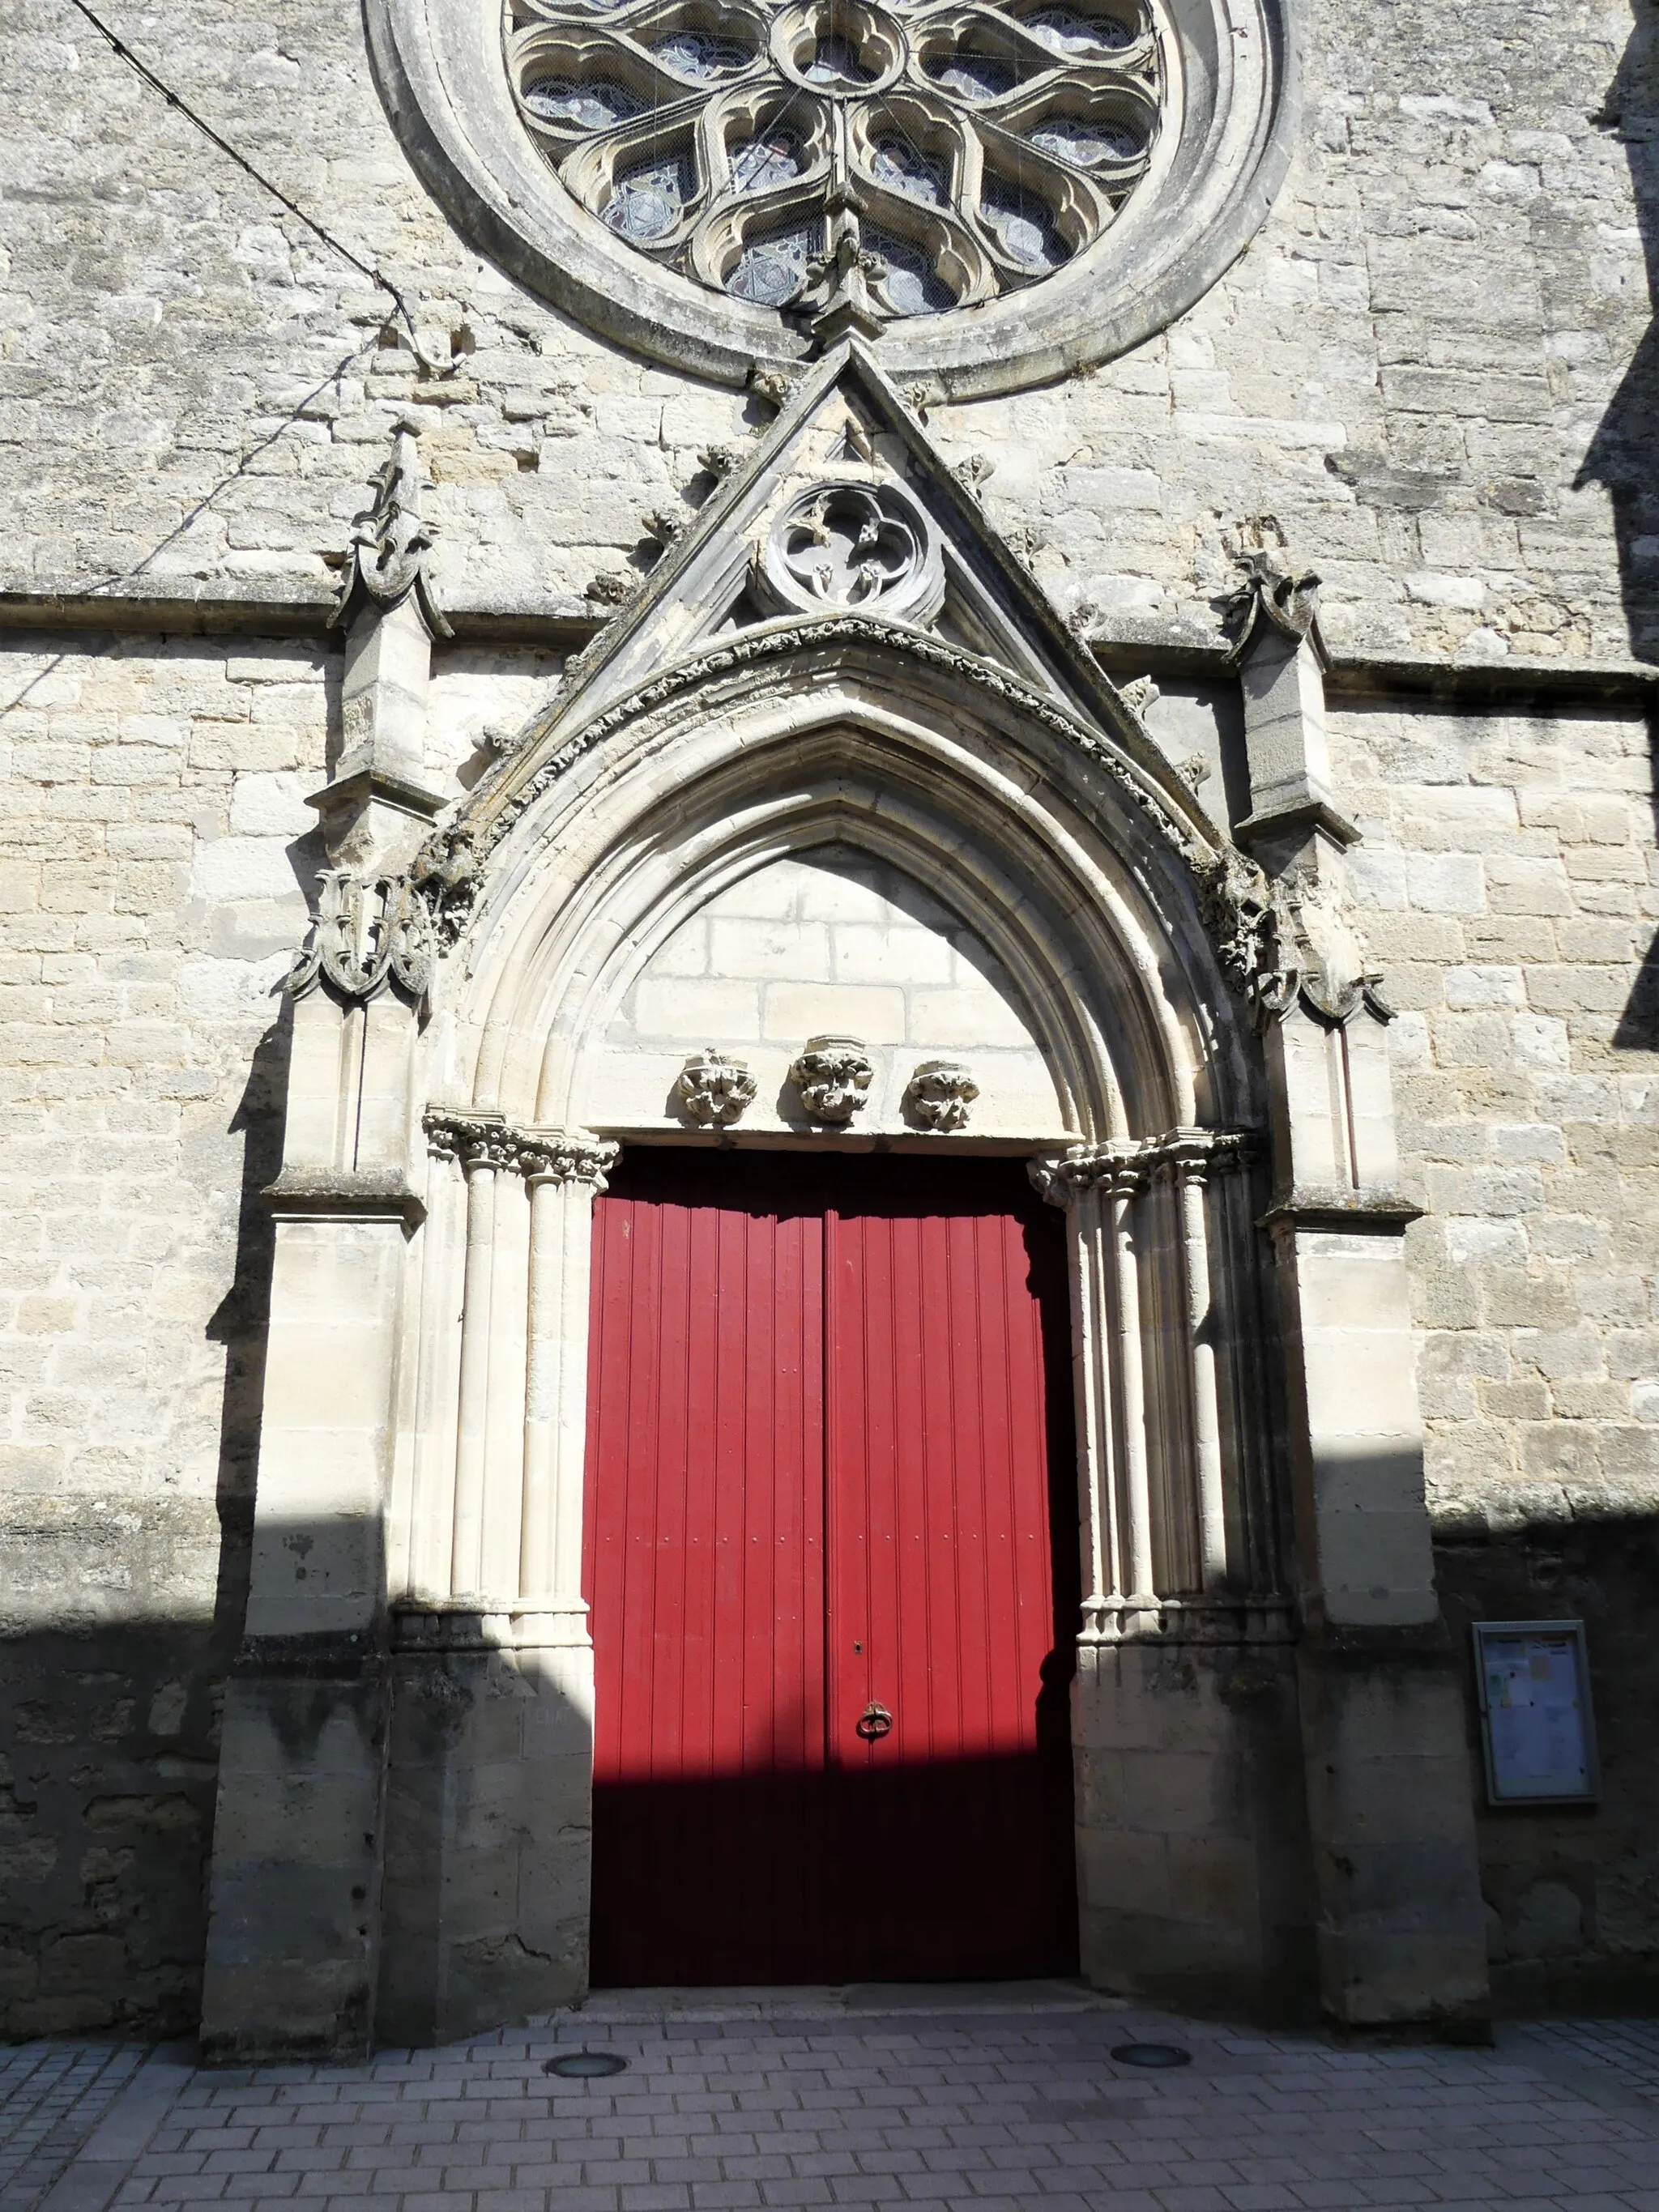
(904, 160)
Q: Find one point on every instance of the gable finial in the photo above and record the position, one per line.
(838, 302)
(391, 539)
(1273, 593)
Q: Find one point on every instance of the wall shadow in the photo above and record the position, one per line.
(110, 1708)
(1572, 1891)
(1623, 454)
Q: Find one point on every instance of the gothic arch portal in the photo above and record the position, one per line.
(1215, 1127)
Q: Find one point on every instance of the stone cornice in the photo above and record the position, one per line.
(563, 623)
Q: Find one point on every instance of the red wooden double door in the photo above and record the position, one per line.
(832, 1569)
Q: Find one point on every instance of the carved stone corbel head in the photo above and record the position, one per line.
(940, 1095)
(832, 1075)
(713, 1091)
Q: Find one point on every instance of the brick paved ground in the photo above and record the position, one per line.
(937, 2099)
(52, 2095)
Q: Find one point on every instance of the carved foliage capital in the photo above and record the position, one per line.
(487, 1140)
(566, 1156)
(1124, 1167)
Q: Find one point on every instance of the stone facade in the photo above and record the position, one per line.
(1428, 380)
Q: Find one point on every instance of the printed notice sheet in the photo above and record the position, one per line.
(1535, 1700)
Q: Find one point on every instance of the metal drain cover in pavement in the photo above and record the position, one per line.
(1152, 2054)
(584, 2065)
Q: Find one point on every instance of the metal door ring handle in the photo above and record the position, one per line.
(873, 1723)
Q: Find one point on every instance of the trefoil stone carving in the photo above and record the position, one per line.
(832, 1075)
(854, 546)
(940, 1095)
(370, 931)
(713, 1091)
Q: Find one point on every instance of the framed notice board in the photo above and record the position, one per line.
(1536, 1724)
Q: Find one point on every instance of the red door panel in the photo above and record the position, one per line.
(954, 1850)
(705, 1576)
(830, 1400)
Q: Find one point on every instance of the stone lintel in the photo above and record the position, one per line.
(1387, 1212)
(345, 1193)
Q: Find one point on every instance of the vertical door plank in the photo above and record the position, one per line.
(953, 1830)
(704, 1575)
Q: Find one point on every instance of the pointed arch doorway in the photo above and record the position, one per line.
(831, 1560)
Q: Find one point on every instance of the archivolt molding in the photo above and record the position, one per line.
(502, 799)
(590, 846)
(1247, 924)
(1087, 934)
(393, 930)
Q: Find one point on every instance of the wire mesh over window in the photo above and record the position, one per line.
(977, 146)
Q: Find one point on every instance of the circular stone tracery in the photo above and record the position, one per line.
(934, 157)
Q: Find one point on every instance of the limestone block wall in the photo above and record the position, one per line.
(152, 847)
(1507, 882)
(1425, 374)
(833, 942)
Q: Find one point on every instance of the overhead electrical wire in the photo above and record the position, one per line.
(141, 69)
